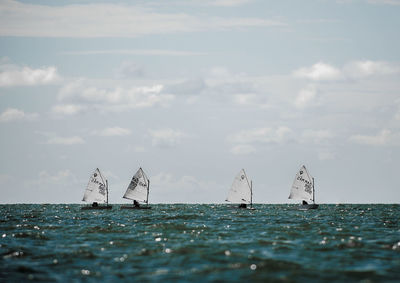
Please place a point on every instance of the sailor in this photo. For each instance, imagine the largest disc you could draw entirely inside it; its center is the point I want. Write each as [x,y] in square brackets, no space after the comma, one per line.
[95,204]
[136,203]
[304,202]
[242,205]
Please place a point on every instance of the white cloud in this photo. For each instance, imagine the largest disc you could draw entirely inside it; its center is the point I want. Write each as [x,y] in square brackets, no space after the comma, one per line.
[71,89]
[11,75]
[245,141]
[65,140]
[4,178]
[326,155]
[139,149]
[306,97]
[114,131]
[385,2]
[397,114]
[117,99]
[141,52]
[262,135]
[243,149]
[171,189]
[187,87]
[109,20]
[319,72]
[60,177]
[219,72]
[226,3]
[361,69]
[383,138]
[167,179]
[317,136]
[352,70]
[129,70]
[251,99]
[67,109]
[13,114]
[136,148]
[139,97]
[166,137]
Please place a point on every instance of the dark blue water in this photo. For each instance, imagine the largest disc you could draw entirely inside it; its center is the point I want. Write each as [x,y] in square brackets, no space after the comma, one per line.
[200,243]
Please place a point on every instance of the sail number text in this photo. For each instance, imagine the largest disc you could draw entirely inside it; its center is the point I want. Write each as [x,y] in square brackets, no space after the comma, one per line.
[307,184]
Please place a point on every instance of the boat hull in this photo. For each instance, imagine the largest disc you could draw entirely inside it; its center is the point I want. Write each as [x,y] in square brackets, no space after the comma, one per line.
[96,207]
[244,208]
[134,207]
[248,208]
[309,206]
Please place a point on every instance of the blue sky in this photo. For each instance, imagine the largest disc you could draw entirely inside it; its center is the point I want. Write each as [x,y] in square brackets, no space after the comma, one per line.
[193,91]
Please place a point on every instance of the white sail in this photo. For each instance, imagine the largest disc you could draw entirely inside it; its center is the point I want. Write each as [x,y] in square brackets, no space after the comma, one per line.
[96,190]
[138,188]
[303,186]
[240,191]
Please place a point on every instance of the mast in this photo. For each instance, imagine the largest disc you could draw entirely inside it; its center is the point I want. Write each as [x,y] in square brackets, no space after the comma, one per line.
[141,170]
[251,193]
[148,185]
[148,189]
[313,191]
[107,190]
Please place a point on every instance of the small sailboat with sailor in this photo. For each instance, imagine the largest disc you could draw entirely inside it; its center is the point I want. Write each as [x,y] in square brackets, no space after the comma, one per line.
[96,192]
[241,191]
[303,189]
[138,191]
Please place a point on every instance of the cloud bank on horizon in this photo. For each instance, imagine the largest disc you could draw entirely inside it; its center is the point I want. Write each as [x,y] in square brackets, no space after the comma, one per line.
[194,91]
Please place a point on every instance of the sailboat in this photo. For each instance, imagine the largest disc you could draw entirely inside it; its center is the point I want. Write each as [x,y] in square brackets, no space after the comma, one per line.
[303,189]
[138,191]
[96,192]
[241,191]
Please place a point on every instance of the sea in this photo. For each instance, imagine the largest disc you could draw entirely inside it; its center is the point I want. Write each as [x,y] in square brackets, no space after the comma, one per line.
[200,243]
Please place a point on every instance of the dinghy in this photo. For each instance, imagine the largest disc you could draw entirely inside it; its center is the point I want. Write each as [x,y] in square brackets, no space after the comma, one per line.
[241,191]
[96,192]
[138,191]
[303,189]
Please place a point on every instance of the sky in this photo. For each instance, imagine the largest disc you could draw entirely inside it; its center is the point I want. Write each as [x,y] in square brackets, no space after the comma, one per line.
[194,91]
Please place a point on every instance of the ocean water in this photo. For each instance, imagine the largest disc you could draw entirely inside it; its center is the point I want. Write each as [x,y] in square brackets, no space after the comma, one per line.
[197,243]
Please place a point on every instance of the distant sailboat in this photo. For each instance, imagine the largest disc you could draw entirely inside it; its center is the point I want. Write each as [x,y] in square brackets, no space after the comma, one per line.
[241,191]
[97,192]
[303,189]
[138,191]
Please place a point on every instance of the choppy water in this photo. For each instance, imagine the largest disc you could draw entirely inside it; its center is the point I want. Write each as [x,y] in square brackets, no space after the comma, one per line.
[200,243]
